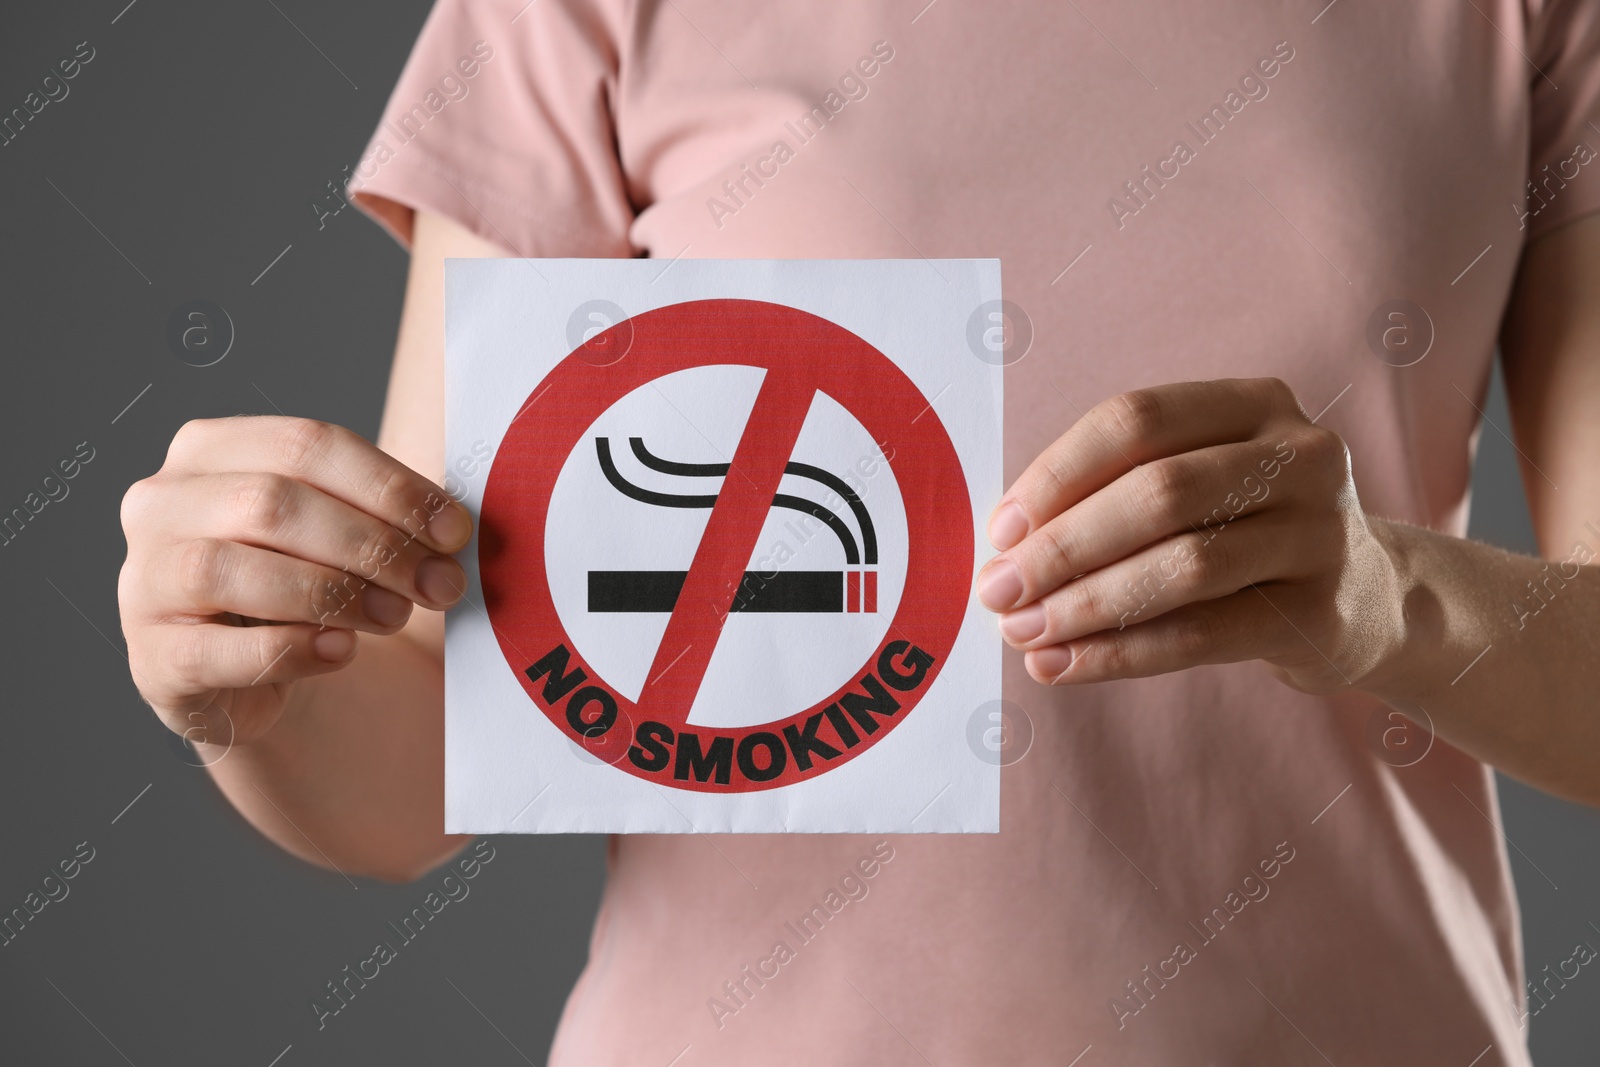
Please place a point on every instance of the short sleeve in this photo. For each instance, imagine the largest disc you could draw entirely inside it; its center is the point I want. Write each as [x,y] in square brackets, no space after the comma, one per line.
[1564,47]
[502,121]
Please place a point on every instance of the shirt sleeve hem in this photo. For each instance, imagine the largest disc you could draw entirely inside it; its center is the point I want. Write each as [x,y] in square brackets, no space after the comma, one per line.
[428,182]
[1562,213]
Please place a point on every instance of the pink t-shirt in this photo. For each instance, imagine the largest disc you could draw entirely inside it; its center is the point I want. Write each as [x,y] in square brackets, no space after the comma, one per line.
[1200,868]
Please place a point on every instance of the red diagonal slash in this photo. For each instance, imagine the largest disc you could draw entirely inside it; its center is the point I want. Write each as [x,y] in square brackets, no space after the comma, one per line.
[726,547]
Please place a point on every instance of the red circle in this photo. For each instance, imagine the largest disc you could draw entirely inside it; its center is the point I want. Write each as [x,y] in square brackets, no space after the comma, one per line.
[799,347]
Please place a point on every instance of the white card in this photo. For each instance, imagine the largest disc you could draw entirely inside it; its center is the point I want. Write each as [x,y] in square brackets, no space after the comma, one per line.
[728,517]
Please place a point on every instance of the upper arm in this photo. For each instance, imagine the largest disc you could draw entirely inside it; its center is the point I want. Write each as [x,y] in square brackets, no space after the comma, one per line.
[412,430]
[1550,341]
[413,412]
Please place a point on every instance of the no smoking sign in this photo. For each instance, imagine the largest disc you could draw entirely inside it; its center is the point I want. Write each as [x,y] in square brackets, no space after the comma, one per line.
[725,547]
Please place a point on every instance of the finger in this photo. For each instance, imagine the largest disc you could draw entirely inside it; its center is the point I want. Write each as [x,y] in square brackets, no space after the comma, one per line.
[180,664]
[1201,491]
[1127,430]
[289,516]
[1231,629]
[211,576]
[1185,569]
[330,458]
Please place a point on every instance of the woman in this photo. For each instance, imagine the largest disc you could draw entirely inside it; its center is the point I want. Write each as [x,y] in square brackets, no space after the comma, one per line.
[1266,252]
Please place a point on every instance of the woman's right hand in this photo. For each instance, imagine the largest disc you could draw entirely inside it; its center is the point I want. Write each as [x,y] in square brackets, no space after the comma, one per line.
[256,553]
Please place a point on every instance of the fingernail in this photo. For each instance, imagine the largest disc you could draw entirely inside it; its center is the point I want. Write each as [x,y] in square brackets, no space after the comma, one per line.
[384,607]
[1027,624]
[441,580]
[1051,663]
[333,646]
[451,527]
[1007,527]
[1001,585]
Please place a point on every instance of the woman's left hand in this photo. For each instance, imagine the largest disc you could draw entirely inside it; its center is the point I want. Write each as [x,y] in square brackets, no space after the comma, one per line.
[1194,523]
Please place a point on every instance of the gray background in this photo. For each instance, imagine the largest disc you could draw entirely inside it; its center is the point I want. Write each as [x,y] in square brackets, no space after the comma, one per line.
[194,143]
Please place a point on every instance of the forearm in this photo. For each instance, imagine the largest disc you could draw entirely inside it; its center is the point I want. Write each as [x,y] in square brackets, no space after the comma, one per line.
[352,775]
[1499,651]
